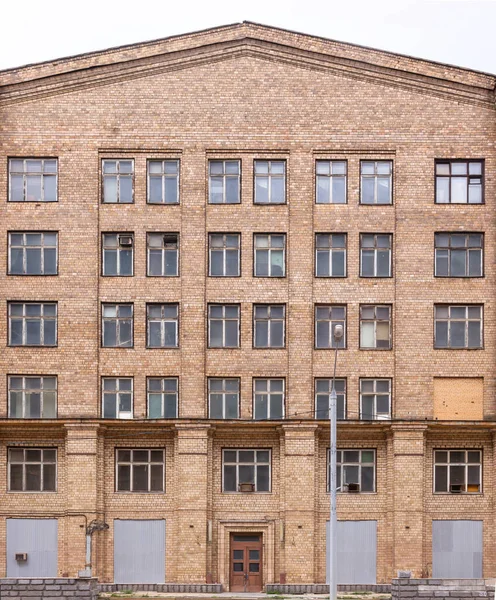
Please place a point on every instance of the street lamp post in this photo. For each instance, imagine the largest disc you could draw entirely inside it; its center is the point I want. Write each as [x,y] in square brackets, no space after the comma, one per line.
[333,539]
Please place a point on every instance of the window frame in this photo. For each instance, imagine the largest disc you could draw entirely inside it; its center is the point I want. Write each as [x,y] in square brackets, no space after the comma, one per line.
[162,329]
[269,249]
[42,317]
[118,249]
[331,176]
[117,320]
[465,464]
[340,464]
[117,174]
[163,176]
[269,321]
[225,176]
[223,392]
[131,464]
[25,462]
[224,249]
[255,464]
[163,393]
[269,393]
[318,417]
[375,393]
[451,161]
[10,159]
[223,319]
[269,177]
[343,322]
[467,249]
[163,250]
[391,187]
[376,249]
[375,321]
[466,320]
[330,251]
[117,392]
[23,390]
[25,247]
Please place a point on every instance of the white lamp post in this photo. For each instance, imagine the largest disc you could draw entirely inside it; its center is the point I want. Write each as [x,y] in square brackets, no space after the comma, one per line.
[333,539]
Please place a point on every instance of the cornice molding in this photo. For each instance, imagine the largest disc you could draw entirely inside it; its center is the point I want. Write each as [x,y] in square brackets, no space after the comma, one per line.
[128,70]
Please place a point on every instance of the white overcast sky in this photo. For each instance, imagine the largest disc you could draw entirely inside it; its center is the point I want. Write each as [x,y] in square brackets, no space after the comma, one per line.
[460,32]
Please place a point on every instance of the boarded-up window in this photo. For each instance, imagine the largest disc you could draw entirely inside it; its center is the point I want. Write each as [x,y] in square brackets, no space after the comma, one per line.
[458,398]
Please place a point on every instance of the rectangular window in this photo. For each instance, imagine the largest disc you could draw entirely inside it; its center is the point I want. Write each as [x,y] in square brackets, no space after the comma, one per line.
[270,260]
[375,254]
[223,398]
[118,254]
[117,325]
[330,183]
[375,327]
[33,180]
[32,469]
[224,254]
[458,471]
[32,397]
[223,325]
[117,398]
[268,325]
[246,470]
[375,399]
[355,470]
[33,253]
[163,181]
[139,470]
[224,181]
[162,397]
[270,182]
[330,255]
[459,254]
[459,182]
[118,181]
[323,388]
[32,324]
[457,326]
[326,319]
[376,182]
[162,325]
[268,399]
[163,254]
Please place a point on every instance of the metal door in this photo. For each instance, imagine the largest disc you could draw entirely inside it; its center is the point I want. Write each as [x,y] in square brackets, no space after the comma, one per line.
[246,563]
[38,539]
[139,551]
[457,549]
[357,552]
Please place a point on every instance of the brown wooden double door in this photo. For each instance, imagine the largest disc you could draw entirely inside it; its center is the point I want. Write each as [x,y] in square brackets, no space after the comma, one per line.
[246,563]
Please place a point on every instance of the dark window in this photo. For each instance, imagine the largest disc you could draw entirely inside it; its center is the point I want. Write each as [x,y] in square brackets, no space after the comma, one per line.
[250,467]
[139,470]
[375,399]
[323,388]
[163,182]
[33,253]
[330,183]
[117,325]
[268,325]
[375,327]
[162,325]
[355,470]
[118,254]
[224,181]
[330,255]
[459,254]
[458,471]
[33,180]
[224,254]
[268,399]
[32,397]
[270,255]
[270,182]
[162,397]
[457,326]
[32,324]
[223,398]
[375,254]
[223,325]
[326,319]
[459,182]
[32,469]
[376,182]
[117,398]
[163,254]
[118,178]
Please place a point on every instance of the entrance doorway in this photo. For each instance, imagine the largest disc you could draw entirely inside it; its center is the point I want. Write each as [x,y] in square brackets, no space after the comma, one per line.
[246,563]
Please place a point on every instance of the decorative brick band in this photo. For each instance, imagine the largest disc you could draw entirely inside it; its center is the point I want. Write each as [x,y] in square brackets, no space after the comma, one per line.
[49,589]
[177,588]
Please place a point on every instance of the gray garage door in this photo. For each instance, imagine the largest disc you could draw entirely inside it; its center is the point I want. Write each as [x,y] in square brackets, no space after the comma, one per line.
[457,549]
[38,539]
[357,552]
[139,551]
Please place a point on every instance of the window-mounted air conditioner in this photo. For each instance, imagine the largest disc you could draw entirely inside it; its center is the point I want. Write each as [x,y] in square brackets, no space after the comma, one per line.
[21,556]
[457,488]
[246,487]
[351,488]
[125,240]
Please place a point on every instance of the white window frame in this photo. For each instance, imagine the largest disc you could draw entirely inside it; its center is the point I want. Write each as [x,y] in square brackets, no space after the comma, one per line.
[118,321]
[269,392]
[166,248]
[25,173]
[270,176]
[225,176]
[376,175]
[118,176]
[223,320]
[255,465]
[376,249]
[269,320]
[162,321]
[224,250]
[25,390]
[330,250]
[375,321]
[118,248]
[164,175]
[269,249]
[223,392]
[163,393]
[330,175]
[119,414]
[375,416]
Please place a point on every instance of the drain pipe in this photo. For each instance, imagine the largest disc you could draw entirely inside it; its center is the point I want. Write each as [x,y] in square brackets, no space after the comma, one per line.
[95,525]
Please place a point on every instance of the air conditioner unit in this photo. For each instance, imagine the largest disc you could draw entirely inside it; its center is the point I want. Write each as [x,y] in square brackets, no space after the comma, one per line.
[353,488]
[457,488]
[246,487]
[125,415]
[21,556]
[170,240]
[125,240]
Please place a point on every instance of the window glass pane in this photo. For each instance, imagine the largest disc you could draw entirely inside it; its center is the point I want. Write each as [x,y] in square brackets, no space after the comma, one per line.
[277,263]
[277,191]
[50,188]
[49,478]
[261,334]
[457,475]
[50,261]
[49,405]
[277,334]
[473,475]
[140,478]
[475,193]
[383,260]
[367,335]
[261,263]
[441,334]
[367,483]
[110,189]
[246,474]
[323,328]
[260,406]
[442,263]
[157,478]
[16,478]
[33,188]
[155,406]
[458,190]
[171,190]
[216,263]
[33,478]
[323,190]
[367,263]
[367,196]
[231,406]
[262,189]
[474,334]
[125,189]
[276,406]
[232,190]
[170,402]
[441,479]
[16,188]
[383,190]
[442,189]
[323,264]
[263,483]
[458,263]
[338,263]
[457,334]
[338,190]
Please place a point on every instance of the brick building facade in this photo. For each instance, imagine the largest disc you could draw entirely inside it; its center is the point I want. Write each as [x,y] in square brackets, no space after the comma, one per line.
[292,183]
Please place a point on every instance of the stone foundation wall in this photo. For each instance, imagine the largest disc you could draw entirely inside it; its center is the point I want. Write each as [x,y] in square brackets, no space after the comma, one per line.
[48,589]
[454,589]
[177,588]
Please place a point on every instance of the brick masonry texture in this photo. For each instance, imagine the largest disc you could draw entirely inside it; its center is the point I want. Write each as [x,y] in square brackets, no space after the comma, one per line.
[49,589]
[250,92]
[441,588]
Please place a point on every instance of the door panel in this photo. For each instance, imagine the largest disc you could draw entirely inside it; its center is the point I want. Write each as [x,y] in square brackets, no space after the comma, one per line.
[139,551]
[457,549]
[246,563]
[357,552]
[38,538]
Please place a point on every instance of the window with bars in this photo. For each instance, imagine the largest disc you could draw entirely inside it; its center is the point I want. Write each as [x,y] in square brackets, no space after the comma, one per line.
[32,469]
[162,325]
[223,325]
[224,254]
[268,325]
[33,253]
[223,398]
[33,179]
[270,182]
[270,260]
[330,185]
[375,327]
[376,182]
[118,181]
[163,254]
[268,399]
[117,253]
[246,467]
[163,181]
[355,470]
[139,470]
[457,326]
[327,317]
[32,397]
[323,388]
[224,181]
[458,471]
[459,254]
[459,182]
[375,254]
[162,397]
[330,254]
[117,398]
[32,324]
[117,325]
[375,399]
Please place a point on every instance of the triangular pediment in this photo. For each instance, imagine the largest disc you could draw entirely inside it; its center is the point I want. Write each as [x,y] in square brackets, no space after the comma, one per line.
[244,39]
